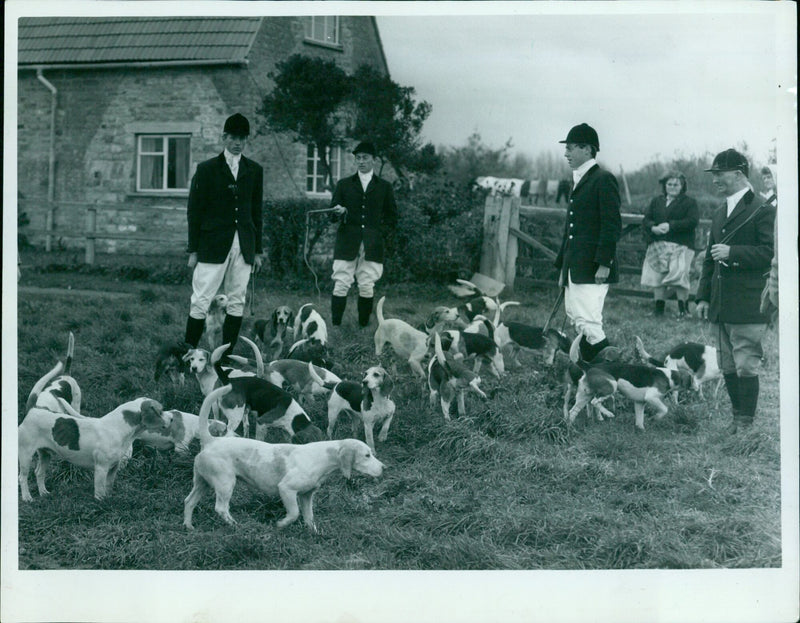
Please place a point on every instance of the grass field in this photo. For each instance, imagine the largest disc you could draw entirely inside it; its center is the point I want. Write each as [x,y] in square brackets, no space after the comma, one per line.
[509,486]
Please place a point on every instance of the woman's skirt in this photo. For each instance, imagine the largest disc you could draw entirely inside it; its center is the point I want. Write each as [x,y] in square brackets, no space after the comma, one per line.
[667,265]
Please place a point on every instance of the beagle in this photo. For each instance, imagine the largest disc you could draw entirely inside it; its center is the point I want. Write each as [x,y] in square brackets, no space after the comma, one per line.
[199,364]
[273,406]
[94,443]
[449,379]
[183,429]
[281,331]
[481,347]
[699,360]
[293,374]
[293,472]
[440,318]
[171,361]
[309,324]
[512,337]
[640,383]
[215,318]
[368,400]
[57,383]
[409,343]
[313,350]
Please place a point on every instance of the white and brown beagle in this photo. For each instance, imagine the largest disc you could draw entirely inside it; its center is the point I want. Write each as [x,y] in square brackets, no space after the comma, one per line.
[699,360]
[313,350]
[100,443]
[407,342]
[57,383]
[199,363]
[449,379]
[368,400]
[277,333]
[292,375]
[644,385]
[273,407]
[293,472]
[183,429]
[215,318]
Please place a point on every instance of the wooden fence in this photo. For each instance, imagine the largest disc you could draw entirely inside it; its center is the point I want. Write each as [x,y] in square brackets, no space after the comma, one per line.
[506,223]
[91,234]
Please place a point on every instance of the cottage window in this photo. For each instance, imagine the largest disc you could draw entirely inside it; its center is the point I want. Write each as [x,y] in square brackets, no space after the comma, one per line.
[163,162]
[323,29]
[315,180]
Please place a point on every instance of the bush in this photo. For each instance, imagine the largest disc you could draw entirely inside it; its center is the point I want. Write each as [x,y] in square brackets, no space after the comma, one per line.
[439,232]
[283,231]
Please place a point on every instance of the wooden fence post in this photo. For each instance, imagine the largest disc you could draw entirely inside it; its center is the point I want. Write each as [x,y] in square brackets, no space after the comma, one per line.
[91,228]
[499,250]
[48,225]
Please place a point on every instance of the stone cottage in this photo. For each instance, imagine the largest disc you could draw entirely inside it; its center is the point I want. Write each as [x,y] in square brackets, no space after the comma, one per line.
[114,113]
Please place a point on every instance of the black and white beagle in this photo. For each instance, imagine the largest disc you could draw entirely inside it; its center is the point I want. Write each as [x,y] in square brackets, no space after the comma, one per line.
[644,385]
[449,379]
[481,347]
[368,400]
[273,406]
[312,350]
[309,324]
[700,360]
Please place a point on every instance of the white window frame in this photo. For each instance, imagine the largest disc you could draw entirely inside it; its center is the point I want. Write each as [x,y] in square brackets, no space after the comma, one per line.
[323,20]
[165,153]
[336,169]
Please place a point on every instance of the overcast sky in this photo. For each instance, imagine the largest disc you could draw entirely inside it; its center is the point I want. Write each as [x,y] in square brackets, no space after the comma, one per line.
[652,84]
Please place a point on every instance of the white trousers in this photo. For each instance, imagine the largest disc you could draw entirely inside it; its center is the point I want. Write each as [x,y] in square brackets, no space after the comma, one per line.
[233,275]
[359,269]
[583,303]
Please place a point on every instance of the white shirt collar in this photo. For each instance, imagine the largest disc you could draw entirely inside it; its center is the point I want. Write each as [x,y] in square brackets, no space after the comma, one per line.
[578,173]
[230,158]
[365,178]
[735,198]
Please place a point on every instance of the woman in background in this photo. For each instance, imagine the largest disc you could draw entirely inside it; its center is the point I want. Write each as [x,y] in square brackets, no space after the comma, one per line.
[669,224]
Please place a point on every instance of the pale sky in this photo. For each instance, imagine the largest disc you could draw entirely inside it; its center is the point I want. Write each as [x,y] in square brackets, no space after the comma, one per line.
[650,83]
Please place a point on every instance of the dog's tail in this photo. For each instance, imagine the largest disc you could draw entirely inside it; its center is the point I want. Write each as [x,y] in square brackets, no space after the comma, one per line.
[257,355]
[202,425]
[215,361]
[644,356]
[500,309]
[68,408]
[379,310]
[70,352]
[41,384]
[437,347]
[318,379]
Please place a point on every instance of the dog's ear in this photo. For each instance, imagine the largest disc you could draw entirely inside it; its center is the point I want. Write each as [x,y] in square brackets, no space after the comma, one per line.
[347,459]
[388,384]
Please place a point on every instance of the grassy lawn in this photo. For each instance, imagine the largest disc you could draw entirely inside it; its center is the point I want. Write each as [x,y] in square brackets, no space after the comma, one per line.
[509,486]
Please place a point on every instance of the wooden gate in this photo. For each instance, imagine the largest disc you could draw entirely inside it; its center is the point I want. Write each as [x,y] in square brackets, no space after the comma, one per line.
[506,223]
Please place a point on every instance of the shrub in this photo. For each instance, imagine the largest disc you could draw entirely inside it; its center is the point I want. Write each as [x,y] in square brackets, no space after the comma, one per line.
[439,232]
[283,231]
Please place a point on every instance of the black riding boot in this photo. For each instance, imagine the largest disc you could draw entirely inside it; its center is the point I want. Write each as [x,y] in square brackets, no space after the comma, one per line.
[364,310]
[338,303]
[230,331]
[194,330]
[660,307]
[748,400]
[732,385]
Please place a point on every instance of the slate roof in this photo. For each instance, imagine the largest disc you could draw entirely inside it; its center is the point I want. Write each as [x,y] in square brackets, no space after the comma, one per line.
[98,40]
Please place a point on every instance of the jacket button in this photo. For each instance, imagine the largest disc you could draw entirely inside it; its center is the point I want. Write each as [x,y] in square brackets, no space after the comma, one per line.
[570,237]
[362,227]
[572,224]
